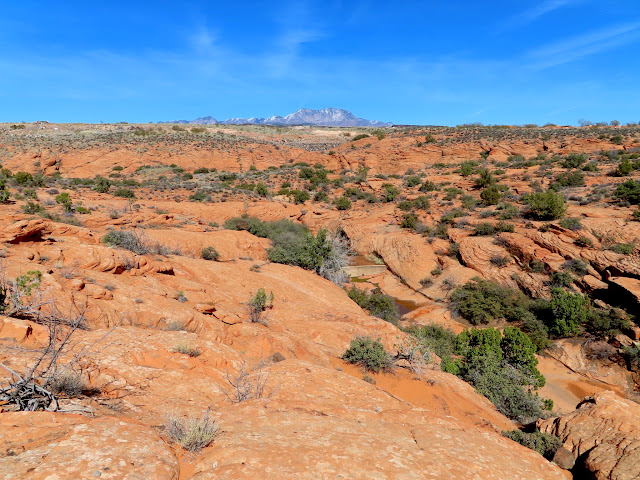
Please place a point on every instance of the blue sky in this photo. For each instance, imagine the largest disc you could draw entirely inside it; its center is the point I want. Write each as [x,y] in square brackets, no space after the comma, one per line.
[428,62]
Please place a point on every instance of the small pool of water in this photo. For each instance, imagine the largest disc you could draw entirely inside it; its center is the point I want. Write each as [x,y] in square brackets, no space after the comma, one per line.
[360,260]
[405,306]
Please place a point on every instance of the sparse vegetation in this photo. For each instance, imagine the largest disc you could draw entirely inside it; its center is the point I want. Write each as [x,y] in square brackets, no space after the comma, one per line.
[369,354]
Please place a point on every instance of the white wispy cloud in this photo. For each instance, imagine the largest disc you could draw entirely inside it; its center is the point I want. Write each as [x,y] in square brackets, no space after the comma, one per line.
[533,13]
[574,48]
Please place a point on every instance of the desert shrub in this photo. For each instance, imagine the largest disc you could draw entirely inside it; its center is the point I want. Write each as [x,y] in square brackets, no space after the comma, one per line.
[583,241]
[632,357]
[23,178]
[547,205]
[300,196]
[485,178]
[536,266]
[569,313]
[124,193]
[543,443]
[405,205]
[480,301]
[569,179]
[574,160]
[561,279]
[65,200]
[390,192]
[500,261]
[258,304]
[412,181]
[293,245]
[504,227]
[500,368]
[132,241]
[409,221]
[506,211]
[571,223]
[192,434]
[576,266]
[360,137]
[428,186]
[628,191]
[467,168]
[437,339]
[186,348]
[623,248]
[198,196]
[369,354]
[617,139]
[484,229]
[624,168]
[603,323]
[491,195]
[378,304]
[426,282]
[32,208]
[210,253]
[68,383]
[343,203]
[320,196]
[101,184]
[537,332]
[262,190]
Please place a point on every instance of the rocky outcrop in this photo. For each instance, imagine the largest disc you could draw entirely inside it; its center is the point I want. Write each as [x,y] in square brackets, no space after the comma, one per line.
[604,435]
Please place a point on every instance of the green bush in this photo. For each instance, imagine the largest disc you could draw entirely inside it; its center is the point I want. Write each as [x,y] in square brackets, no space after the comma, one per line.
[360,137]
[625,167]
[32,208]
[343,203]
[623,248]
[569,179]
[467,168]
[292,244]
[491,195]
[603,323]
[65,200]
[210,253]
[547,205]
[428,186]
[561,279]
[124,193]
[23,178]
[543,443]
[574,160]
[484,179]
[571,223]
[390,192]
[368,353]
[439,340]
[480,301]
[569,313]
[628,191]
[101,184]
[482,229]
[378,304]
[262,190]
[500,367]
[300,196]
[412,181]
[409,221]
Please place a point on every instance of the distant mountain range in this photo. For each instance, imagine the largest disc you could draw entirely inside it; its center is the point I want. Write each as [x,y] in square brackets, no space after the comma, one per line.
[329,117]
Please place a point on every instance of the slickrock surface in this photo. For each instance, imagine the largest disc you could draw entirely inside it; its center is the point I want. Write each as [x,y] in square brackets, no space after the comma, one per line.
[604,433]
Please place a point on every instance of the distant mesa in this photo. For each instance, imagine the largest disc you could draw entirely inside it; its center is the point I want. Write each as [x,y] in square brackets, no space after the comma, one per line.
[328,117]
